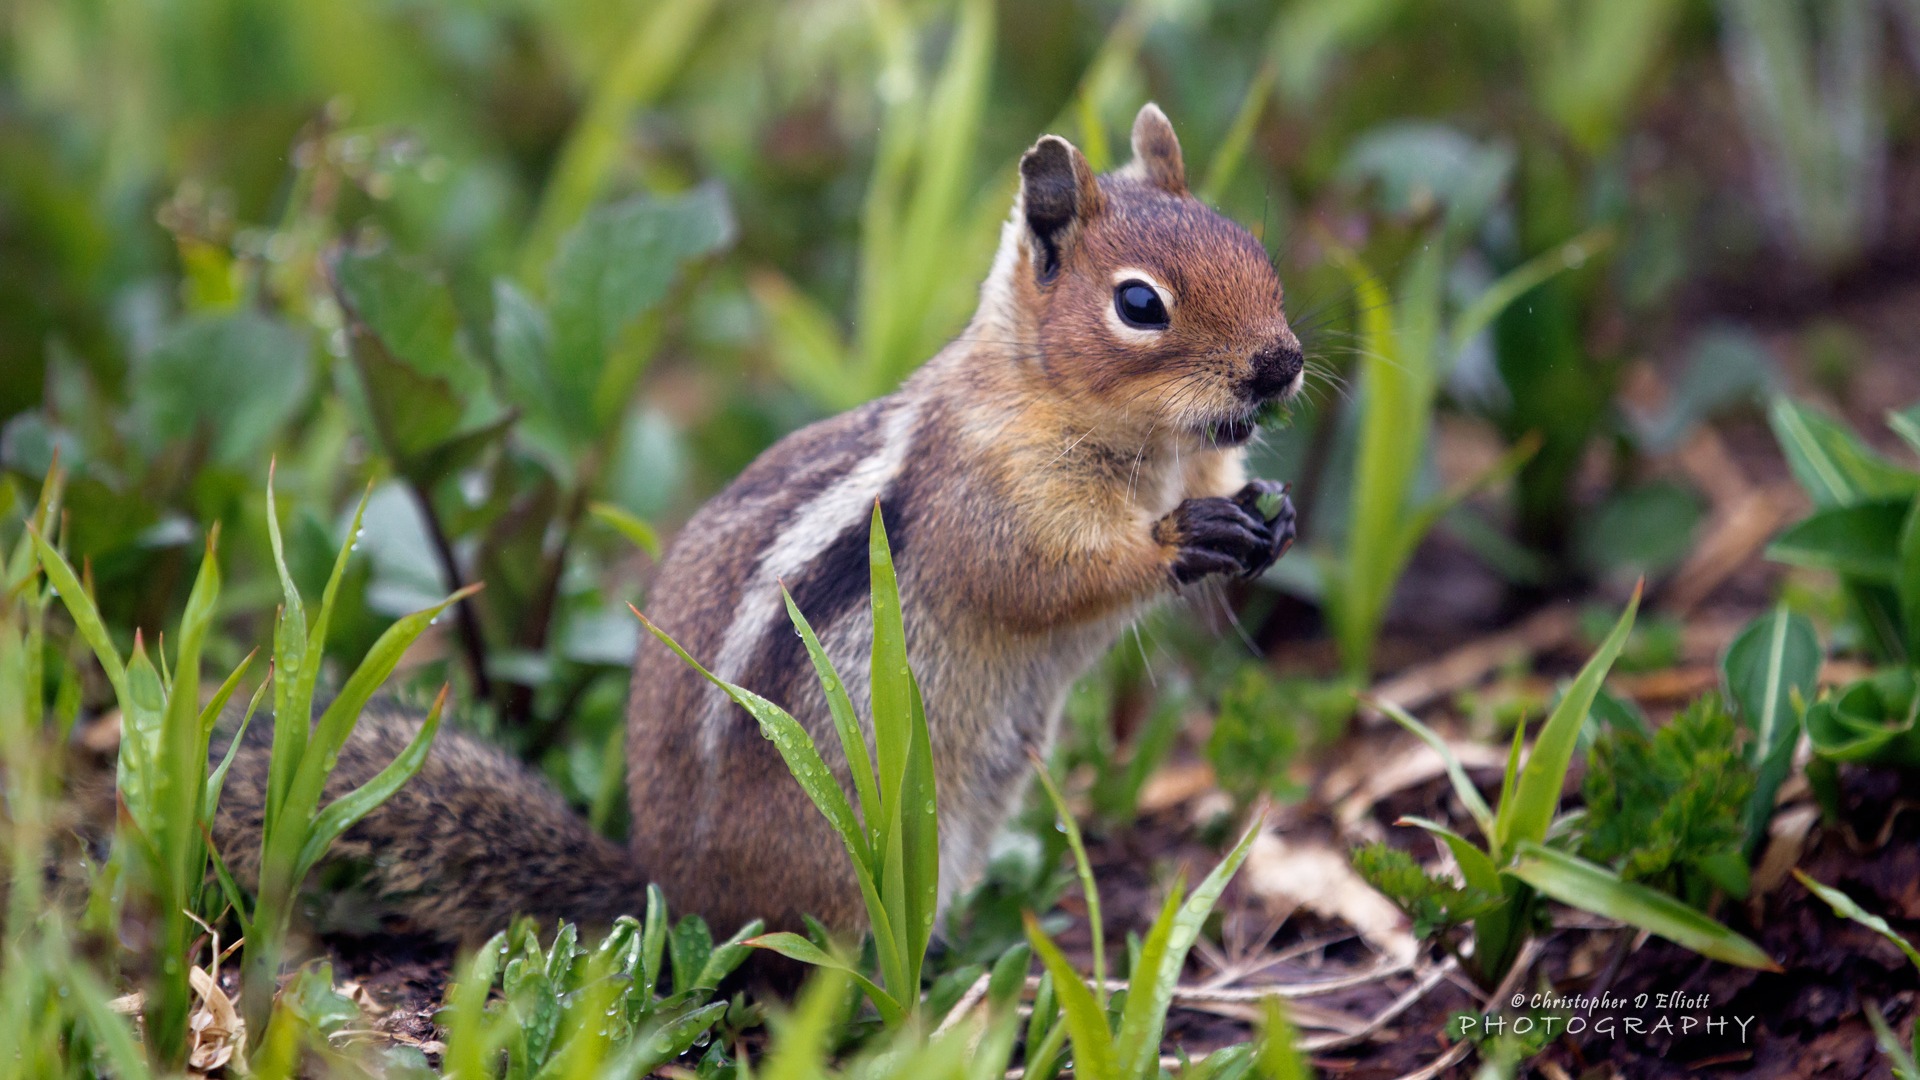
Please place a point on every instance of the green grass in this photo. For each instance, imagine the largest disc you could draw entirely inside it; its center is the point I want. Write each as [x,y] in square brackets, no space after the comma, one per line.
[894,842]
[1521,859]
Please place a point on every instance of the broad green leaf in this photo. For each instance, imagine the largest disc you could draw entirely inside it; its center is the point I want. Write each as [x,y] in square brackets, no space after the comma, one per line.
[420,386]
[1874,720]
[1771,667]
[1085,1020]
[614,267]
[86,617]
[1860,540]
[727,956]
[343,813]
[651,1049]
[1536,794]
[1581,884]
[1834,467]
[1164,956]
[236,377]
[637,532]
[1462,786]
[795,947]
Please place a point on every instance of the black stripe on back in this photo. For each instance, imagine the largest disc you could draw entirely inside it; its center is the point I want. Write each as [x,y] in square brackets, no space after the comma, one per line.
[832,585]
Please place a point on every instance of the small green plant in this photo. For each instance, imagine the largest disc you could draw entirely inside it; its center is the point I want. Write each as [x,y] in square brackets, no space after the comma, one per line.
[1770,671]
[1668,809]
[570,1011]
[1525,855]
[896,852]
[920,221]
[55,1019]
[1407,342]
[296,829]
[1121,1042]
[1261,724]
[1805,77]
[1900,1058]
[1865,528]
[166,798]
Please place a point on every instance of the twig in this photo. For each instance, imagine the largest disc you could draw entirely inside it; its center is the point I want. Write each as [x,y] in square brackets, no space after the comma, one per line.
[966,1003]
[1528,954]
[471,642]
[1467,665]
[1405,1001]
[1189,995]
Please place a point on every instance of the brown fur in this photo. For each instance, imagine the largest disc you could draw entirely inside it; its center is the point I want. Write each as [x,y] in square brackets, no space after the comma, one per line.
[1043,478]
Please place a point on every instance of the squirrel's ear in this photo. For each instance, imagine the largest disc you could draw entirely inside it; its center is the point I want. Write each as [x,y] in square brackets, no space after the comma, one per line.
[1057,193]
[1156,152]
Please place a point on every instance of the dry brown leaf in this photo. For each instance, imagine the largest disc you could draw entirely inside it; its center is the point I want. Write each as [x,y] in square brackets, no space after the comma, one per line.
[1410,764]
[1320,878]
[1786,840]
[1175,784]
[217,1030]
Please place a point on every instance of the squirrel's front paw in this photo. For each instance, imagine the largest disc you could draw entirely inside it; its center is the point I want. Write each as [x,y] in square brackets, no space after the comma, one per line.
[1267,500]
[1241,536]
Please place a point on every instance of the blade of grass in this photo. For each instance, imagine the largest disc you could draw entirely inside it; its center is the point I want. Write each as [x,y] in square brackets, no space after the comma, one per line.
[1844,906]
[1462,786]
[853,741]
[86,617]
[1145,1015]
[1536,795]
[1084,1019]
[1475,866]
[1521,280]
[658,45]
[795,947]
[637,532]
[1089,889]
[341,814]
[336,723]
[1579,883]
[216,781]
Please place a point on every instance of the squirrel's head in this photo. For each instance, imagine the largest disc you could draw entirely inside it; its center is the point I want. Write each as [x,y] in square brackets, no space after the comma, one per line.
[1129,295]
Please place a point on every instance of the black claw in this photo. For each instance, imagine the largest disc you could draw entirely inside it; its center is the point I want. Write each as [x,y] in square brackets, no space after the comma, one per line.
[1241,536]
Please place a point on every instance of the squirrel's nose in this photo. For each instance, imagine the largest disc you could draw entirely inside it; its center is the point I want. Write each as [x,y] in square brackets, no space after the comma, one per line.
[1274,370]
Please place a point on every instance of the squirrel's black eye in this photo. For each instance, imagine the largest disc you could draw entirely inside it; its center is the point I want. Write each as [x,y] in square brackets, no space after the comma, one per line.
[1139,306]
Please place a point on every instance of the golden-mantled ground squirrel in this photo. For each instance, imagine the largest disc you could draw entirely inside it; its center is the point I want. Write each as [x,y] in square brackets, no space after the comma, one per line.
[1072,457]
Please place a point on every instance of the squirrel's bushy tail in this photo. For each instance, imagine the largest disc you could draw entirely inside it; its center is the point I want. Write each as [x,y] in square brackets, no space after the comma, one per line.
[474,839]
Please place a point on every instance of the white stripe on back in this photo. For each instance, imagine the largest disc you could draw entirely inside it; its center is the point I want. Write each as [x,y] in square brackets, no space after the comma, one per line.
[845,504]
